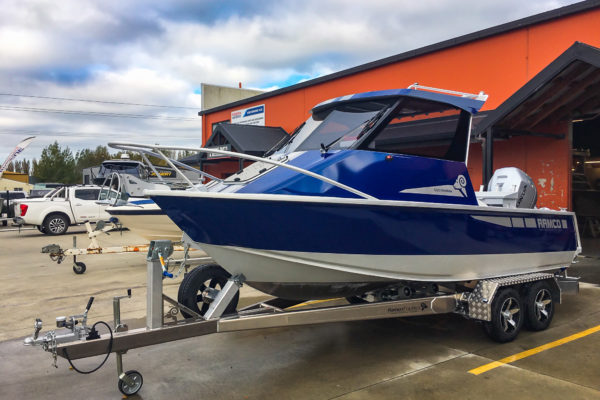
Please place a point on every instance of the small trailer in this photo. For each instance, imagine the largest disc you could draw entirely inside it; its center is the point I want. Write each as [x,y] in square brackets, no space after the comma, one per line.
[58,254]
[503,304]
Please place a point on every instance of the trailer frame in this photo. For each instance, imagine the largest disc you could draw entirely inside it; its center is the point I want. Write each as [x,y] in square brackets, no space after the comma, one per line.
[77,340]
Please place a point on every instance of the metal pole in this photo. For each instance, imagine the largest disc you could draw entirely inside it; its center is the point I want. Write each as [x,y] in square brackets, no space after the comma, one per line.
[488,158]
[154,303]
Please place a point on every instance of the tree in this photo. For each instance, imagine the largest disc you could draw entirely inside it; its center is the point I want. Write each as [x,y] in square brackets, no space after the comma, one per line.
[34,167]
[87,158]
[25,166]
[22,166]
[56,165]
[184,153]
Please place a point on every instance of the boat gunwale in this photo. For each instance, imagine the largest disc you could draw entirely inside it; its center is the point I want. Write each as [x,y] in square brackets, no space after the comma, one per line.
[352,201]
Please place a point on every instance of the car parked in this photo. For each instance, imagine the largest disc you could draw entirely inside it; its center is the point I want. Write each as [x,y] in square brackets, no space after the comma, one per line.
[65,206]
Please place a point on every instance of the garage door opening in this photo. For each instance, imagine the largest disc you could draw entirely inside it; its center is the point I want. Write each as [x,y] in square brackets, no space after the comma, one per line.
[585,186]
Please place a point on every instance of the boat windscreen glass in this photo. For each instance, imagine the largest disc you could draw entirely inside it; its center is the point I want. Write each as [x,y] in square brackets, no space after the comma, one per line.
[125,168]
[424,128]
[338,127]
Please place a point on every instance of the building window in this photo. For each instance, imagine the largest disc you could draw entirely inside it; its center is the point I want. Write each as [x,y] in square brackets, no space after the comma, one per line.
[214,125]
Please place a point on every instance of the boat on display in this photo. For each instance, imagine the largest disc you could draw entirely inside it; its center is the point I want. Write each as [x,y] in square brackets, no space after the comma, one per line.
[371,193]
[145,218]
[124,182]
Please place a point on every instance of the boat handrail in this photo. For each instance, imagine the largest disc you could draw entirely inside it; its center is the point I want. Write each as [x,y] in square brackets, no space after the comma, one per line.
[152,167]
[252,158]
[133,147]
[479,96]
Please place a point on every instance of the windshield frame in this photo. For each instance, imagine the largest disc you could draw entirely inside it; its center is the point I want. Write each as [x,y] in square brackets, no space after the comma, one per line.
[460,141]
[315,122]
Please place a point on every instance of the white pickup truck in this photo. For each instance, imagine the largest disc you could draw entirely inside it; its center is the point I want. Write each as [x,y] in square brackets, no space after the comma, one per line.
[64,206]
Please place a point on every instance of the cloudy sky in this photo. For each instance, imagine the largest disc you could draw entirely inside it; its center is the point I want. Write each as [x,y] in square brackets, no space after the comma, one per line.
[135,67]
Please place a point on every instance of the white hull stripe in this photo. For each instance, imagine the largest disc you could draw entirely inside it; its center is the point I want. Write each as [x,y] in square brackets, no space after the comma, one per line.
[287,266]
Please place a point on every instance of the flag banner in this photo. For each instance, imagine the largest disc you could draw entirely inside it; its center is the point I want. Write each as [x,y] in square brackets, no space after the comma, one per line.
[20,147]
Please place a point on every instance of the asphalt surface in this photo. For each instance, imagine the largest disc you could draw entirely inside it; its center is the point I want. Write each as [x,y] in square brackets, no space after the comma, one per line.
[409,358]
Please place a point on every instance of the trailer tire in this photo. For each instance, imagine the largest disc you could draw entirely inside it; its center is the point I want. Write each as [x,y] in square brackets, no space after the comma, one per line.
[56,224]
[79,268]
[130,390]
[539,307]
[194,284]
[507,316]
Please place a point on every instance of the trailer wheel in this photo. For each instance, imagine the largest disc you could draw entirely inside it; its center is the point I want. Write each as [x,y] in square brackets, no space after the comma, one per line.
[79,268]
[193,290]
[56,224]
[507,316]
[136,378]
[539,306]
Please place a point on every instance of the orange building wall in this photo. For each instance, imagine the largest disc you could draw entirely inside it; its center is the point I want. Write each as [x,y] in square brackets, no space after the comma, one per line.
[498,65]
[222,169]
[546,160]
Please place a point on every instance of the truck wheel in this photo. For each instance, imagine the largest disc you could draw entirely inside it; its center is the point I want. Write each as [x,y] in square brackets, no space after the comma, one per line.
[539,307]
[194,290]
[56,224]
[507,316]
[41,228]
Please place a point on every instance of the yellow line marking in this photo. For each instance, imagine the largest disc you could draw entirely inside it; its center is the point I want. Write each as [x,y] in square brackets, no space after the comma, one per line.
[527,353]
[308,303]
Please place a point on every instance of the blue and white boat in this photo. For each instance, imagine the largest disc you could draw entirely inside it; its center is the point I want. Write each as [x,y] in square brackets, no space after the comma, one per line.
[371,191]
[124,182]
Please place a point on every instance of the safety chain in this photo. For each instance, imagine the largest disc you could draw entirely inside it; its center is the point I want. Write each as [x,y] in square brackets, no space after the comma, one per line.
[51,344]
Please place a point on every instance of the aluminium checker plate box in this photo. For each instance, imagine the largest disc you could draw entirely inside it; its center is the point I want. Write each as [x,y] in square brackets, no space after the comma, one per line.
[480,299]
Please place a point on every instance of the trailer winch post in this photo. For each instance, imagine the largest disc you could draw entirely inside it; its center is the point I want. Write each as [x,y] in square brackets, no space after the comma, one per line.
[154,304]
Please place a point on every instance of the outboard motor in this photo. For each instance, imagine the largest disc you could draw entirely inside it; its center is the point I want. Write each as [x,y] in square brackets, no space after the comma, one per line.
[509,187]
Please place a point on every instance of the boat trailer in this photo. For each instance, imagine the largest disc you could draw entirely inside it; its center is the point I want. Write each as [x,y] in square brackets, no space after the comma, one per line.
[58,254]
[74,339]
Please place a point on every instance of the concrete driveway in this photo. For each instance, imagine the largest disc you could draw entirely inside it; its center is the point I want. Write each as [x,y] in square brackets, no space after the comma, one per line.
[410,358]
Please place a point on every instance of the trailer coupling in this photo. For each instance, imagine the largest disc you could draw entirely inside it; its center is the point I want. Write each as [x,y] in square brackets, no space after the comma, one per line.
[71,328]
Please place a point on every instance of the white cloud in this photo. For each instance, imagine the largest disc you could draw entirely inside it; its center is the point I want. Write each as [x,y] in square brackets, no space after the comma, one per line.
[157,52]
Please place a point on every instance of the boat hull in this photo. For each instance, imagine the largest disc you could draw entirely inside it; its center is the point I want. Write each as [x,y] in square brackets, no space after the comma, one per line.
[305,275]
[312,247]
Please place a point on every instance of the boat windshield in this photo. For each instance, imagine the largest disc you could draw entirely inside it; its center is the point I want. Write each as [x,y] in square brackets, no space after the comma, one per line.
[132,168]
[417,127]
[423,128]
[335,128]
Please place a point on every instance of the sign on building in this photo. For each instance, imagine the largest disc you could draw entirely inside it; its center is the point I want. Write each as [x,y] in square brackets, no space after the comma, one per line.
[249,116]
[226,147]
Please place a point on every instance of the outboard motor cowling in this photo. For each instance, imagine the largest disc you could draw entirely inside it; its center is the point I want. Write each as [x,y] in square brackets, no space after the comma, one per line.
[509,187]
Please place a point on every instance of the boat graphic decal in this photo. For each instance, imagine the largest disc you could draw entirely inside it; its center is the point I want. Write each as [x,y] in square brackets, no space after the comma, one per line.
[517,222]
[502,221]
[456,190]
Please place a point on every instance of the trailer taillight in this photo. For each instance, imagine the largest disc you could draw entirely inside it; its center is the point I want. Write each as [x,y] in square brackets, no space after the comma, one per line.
[23,208]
